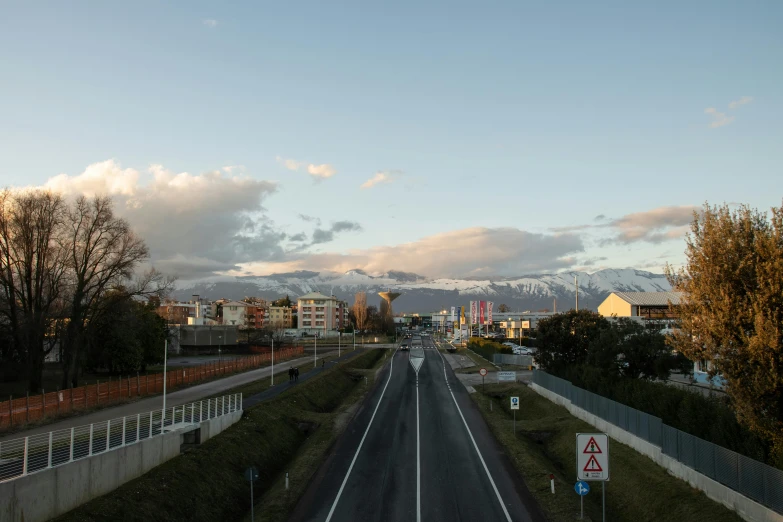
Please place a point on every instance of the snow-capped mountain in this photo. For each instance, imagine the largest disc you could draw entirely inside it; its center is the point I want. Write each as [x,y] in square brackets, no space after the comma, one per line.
[419,294]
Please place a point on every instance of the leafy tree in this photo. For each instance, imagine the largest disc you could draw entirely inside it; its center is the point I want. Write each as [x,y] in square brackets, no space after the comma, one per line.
[565,339]
[359,310]
[284,301]
[732,309]
[503,308]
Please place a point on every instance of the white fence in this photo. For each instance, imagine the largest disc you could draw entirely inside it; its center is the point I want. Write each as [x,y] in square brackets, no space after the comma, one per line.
[23,456]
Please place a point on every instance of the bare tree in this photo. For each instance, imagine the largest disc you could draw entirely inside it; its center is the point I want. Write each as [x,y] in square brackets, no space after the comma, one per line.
[104,254]
[360,310]
[32,267]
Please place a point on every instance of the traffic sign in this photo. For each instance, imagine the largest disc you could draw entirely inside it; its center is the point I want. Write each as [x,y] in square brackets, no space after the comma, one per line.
[507,376]
[592,456]
[582,488]
[483,372]
[514,403]
[251,474]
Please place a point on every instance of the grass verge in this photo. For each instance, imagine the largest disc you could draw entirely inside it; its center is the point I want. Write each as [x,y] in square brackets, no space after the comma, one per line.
[639,489]
[207,483]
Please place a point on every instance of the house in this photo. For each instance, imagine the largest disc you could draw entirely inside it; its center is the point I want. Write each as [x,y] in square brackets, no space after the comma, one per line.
[232,313]
[646,305]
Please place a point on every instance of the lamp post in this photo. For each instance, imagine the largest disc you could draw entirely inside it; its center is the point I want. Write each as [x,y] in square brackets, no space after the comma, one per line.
[165,361]
[273,361]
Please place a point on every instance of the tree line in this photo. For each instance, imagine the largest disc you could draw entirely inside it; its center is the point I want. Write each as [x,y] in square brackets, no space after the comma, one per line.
[70,281]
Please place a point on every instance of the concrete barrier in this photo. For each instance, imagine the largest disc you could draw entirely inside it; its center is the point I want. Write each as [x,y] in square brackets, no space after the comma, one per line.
[746,508]
[47,494]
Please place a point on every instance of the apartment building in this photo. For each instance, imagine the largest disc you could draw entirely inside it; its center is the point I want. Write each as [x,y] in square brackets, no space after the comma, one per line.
[280,316]
[320,314]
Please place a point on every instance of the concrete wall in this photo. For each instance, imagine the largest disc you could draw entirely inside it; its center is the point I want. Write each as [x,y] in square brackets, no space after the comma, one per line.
[44,495]
[748,509]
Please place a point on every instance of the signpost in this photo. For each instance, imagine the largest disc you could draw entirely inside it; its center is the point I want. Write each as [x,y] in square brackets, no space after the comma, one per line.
[483,373]
[592,461]
[582,488]
[251,475]
[507,376]
[514,408]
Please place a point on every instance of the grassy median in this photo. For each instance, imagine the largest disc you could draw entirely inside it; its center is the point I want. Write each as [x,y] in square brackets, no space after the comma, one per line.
[207,482]
[639,489]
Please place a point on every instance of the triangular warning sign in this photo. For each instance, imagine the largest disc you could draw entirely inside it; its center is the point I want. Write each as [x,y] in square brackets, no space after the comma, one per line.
[592,446]
[592,464]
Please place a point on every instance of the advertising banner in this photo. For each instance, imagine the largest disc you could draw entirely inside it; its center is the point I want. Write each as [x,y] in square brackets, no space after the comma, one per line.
[489,312]
[453,311]
[481,311]
[473,312]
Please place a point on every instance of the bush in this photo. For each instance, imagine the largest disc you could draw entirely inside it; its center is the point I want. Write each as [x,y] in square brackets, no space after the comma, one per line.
[709,418]
[487,348]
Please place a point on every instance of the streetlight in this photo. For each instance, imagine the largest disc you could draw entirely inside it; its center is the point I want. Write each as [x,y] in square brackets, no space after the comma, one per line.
[165,361]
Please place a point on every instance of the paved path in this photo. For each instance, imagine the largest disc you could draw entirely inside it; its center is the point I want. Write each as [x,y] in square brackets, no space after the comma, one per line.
[175,398]
[417,449]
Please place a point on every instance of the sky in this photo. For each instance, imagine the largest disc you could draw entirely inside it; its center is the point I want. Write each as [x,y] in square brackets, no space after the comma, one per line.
[446,138]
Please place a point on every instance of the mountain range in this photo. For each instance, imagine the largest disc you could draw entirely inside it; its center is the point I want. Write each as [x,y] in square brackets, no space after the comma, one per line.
[420,294]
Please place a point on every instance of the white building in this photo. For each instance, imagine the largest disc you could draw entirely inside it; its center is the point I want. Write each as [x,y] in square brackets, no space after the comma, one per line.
[234,313]
[647,305]
[320,314]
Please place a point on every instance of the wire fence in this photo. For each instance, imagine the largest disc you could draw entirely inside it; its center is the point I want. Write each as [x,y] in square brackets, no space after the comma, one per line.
[751,478]
[23,456]
[32,408]
[519,360]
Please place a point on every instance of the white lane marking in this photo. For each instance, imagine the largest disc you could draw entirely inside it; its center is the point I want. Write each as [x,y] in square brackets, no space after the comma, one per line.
[350,468]
[489,476]
[418,456]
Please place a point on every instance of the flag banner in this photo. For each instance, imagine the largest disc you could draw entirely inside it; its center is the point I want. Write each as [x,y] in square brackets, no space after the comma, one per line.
[482,305]
[489,312]
[473,312]
[453,311]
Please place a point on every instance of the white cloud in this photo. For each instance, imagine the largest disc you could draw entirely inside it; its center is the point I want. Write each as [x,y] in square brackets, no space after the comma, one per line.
[322,171]
[460,253]
[319,172]
[382,176]
[719,119]
[654,226]
[194,224]
[209,22]
[742,101]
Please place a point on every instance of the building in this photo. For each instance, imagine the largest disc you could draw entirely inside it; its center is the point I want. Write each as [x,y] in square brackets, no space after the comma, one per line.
[255,316]
[232,313]
[520,324]
[280,316]
[646,305]
[197,311]
[320,314]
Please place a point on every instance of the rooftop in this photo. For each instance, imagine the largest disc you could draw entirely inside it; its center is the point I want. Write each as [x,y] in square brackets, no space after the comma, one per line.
[650,298]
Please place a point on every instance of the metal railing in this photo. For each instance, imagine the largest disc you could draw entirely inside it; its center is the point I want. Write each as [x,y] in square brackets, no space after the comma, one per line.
[23,456]
[747,476]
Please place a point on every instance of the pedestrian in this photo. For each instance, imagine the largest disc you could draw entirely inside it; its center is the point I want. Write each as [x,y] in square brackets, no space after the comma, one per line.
[290,374]
[296,374]
[323,363]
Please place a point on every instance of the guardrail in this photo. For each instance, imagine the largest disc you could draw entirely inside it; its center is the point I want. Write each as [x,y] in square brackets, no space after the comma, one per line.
[747,476]
[23,456]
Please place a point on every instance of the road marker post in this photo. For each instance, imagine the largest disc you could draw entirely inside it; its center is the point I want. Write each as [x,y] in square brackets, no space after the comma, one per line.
[251,475]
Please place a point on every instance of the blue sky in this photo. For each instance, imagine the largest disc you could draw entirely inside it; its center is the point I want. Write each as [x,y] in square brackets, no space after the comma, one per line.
[510,116]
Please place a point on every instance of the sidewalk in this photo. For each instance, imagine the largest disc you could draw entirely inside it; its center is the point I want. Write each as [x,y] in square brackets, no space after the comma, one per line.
[174,398]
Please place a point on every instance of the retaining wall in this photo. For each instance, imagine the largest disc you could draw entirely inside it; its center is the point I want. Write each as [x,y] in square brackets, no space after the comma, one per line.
[746,508]
[47,494]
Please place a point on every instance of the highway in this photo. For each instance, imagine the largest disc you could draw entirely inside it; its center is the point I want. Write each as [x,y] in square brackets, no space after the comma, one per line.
[418,449]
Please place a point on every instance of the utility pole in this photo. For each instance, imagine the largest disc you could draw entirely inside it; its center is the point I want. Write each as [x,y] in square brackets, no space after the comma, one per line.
[576,285]
[165,361]
[273,361]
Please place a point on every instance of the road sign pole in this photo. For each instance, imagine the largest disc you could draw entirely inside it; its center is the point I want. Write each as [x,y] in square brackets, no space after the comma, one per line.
[483,386]
[515,422]
[603,501]
[582,507]
[252,510]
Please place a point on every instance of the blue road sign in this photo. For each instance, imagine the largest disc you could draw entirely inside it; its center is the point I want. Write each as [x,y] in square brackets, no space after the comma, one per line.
[582,488]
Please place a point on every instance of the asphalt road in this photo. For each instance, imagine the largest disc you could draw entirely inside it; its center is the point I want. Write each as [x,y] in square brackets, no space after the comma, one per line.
[418,449]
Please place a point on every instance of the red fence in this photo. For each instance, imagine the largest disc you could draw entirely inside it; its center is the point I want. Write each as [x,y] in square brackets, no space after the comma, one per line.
[36,407]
